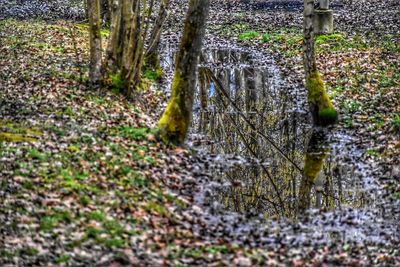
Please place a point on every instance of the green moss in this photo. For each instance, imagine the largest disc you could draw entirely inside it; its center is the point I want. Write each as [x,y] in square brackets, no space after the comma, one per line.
[11,137]
[175,120]
[328,116]
[11,132]
[328,38]
[249,35]
[321,107]
[173,125]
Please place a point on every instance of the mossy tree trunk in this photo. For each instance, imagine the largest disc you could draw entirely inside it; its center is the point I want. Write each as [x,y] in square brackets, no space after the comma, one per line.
[321,108]
[175,120]
[95,69]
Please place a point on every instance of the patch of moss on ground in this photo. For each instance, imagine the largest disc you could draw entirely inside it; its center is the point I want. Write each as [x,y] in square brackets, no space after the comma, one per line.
[249,35]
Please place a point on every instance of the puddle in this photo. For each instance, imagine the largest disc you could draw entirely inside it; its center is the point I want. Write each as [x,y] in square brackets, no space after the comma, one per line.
[264,156]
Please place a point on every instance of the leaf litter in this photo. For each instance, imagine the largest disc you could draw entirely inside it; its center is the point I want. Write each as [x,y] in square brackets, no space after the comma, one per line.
[95,188]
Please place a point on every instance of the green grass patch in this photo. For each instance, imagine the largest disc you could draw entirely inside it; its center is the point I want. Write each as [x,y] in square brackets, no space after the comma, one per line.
[152,75]
[152,206]
[62,259]
[287,41]
[35,154]
[351,106]
[135,179]
[85,200]
[97,216]
[372,152]
[249,35]
[347,122]
[4,253]
[339,42]
[378,121]
[389,80]
[114,242]
[396,121]
[49,222]
[117,84]
[329,38]
[30,251]
[134,133]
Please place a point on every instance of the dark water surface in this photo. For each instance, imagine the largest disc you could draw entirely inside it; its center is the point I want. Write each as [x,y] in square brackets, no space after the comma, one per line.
[264,155]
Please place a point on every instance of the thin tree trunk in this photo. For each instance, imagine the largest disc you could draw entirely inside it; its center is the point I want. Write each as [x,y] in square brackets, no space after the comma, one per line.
[309,56]
[152,57]
[175,120]
[131,34]
[95,42]
[321,108]
[112,56]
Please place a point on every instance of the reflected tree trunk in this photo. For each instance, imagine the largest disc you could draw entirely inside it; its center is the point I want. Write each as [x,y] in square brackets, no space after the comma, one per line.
[314,162]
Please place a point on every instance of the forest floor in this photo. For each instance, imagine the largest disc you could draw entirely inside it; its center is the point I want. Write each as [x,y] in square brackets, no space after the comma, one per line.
[83,182]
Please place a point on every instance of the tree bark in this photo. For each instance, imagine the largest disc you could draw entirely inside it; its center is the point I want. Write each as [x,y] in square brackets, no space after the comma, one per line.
[152,58]
[175,120]
[95,69]
[321,108]
[112,54]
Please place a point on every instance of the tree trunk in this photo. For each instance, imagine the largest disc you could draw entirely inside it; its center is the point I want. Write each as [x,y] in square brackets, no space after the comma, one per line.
[105,12]
[95,42]
[321,108]
[152,57]
[112,54]
[175,120]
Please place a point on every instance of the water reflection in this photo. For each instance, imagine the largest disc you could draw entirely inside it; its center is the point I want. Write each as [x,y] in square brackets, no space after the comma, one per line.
[268,159]
[317,150]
